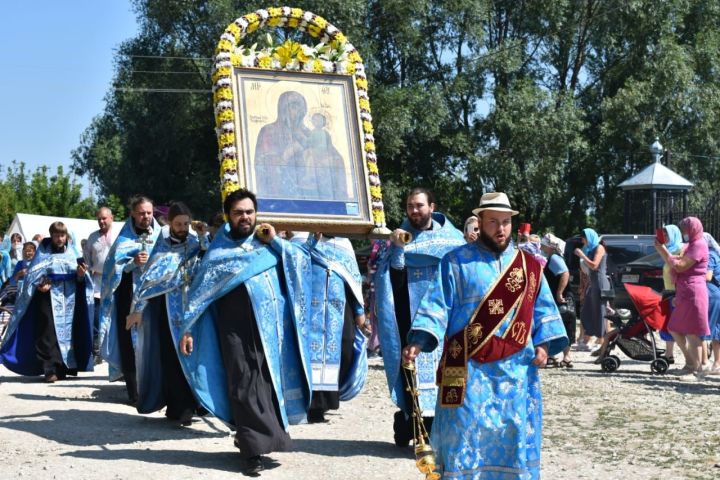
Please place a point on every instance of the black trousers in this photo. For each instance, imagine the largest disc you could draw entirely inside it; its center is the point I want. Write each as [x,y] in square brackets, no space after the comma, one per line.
[255,407]
[123,298]
[47,349]
[180,401]
[322,401]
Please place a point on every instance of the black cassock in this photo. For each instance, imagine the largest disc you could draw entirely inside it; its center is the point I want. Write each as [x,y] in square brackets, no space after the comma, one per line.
[255,407]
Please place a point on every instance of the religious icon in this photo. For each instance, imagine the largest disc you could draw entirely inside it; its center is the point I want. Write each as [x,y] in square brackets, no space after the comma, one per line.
[300,146]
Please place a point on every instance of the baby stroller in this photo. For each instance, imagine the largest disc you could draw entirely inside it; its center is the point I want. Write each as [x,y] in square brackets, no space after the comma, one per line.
[635,338]
[7,304]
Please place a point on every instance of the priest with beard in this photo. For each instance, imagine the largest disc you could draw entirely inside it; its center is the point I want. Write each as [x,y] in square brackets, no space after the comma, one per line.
[491,307]
[404,272]
[123,268]
[157,311]
[244,330]
[50,332]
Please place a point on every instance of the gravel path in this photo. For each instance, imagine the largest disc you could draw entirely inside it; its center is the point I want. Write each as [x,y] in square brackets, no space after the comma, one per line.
[597,425]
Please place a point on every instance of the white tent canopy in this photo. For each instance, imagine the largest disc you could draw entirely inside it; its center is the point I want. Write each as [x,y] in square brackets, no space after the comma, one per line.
[28,225]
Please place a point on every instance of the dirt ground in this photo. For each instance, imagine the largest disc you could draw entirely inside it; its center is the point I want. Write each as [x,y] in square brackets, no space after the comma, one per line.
[626,425]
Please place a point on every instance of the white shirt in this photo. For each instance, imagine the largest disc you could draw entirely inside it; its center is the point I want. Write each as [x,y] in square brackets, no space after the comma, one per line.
[96,250]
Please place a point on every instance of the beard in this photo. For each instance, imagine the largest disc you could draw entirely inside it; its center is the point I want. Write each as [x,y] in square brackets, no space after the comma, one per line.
[182,235]
[492,244]
[242,229]
[421,222]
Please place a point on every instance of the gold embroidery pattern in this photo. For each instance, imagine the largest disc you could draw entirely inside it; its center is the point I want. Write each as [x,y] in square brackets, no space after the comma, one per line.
[455,349]
[496,306]
[451,396]
[519,333]
[533,286]
[475,333]
[515,279]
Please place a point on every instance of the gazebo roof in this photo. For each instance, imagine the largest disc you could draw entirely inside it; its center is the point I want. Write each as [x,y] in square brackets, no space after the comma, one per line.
[656,176]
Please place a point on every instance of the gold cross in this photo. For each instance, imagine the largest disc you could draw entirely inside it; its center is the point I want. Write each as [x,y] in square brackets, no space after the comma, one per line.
[496,306]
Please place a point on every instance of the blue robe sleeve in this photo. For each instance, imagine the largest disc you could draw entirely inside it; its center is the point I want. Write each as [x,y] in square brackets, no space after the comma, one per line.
[548,328]
[431,320]
[397,257]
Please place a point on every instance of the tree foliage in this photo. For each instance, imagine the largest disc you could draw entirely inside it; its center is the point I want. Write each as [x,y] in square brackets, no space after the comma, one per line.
[552,101]
[40,193]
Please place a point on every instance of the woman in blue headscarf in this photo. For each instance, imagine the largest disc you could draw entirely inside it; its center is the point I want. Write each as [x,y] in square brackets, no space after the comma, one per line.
[713,284]
[592,314]
[673,242]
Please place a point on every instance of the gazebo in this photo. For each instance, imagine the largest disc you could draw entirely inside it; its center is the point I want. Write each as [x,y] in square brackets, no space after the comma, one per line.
[654,197]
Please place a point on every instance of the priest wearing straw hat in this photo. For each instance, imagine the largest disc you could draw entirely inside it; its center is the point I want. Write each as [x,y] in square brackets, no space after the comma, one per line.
[491,307]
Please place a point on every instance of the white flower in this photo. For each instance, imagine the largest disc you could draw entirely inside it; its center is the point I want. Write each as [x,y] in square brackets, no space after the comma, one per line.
[293,64]
[369,137]
[328,66]
[228,127]
[263,14]
[224,81]
[223,56]
[308,66]
[331,29]
[229,37]
[242,23]
[307,16]
[229,151]
[286,11]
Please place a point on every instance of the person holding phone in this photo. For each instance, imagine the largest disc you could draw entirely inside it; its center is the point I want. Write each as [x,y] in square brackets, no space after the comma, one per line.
[54,309]
[471,230]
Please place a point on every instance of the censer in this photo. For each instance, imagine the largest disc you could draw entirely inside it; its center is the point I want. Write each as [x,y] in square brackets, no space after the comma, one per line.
[424,455]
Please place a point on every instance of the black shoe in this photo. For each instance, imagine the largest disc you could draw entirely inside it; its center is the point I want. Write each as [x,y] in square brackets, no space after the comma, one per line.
[316,416]
[403,434]
[253,466]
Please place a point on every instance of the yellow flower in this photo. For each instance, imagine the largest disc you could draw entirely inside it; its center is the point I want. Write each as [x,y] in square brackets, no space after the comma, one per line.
[350,68]
[372,167]
[313,30]
[367,127]
[224,45]
[275,21]
[252,27]
[288,51]
[293,22]
[221,72]
[364,104]
[296,13]
[354,57]
[233,29]
[340,38]
[223,93]
[361,83]
[227,139]
[228,164]
[264,62]
[375,192]
[227,116]
[252,18]
[236,60]
[369,146]
[275,12]
[317,66]
[320,22]
[379,217]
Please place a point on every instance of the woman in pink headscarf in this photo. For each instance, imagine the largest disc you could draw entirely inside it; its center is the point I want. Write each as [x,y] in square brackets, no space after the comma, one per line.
[689,321]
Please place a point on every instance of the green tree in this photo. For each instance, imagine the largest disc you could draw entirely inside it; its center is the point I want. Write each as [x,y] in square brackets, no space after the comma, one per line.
[41,193]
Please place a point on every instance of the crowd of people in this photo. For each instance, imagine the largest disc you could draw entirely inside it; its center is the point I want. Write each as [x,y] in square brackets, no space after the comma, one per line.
[266,329]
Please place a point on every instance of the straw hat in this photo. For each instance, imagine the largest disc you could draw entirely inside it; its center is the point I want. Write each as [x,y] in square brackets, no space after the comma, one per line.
[497,201]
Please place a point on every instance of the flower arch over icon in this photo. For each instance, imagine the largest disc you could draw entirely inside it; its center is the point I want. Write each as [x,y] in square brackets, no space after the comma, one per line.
[333,54]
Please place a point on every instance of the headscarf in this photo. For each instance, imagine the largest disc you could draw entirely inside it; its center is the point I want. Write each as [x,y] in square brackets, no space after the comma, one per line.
[694,228]
[550,240]
[712,244]
[674,239]
[593,240]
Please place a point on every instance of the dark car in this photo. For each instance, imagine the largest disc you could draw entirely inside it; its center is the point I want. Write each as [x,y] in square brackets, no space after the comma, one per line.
[621,250]
[647,271]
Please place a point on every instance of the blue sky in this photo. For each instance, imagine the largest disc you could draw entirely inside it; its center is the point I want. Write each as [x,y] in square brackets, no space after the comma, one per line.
[56,64]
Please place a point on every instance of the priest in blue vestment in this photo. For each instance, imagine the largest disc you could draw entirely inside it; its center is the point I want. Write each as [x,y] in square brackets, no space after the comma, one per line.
[50,332]
[492,309]
[123,268]
[403,275]
[158,310]
[338,353]
[245,328]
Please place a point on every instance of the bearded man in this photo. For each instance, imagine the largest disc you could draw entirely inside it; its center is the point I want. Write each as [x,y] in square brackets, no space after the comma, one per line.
[158,308]
[404,272]
[244,332]
[492,308]
[122,270]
